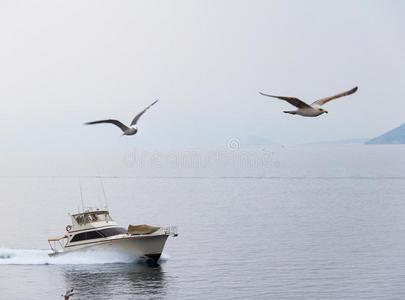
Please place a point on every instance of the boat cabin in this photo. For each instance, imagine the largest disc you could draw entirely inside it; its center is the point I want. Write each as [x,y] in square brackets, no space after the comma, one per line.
[91,225]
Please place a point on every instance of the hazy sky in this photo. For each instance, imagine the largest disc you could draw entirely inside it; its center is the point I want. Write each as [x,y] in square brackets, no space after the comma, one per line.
[66,62]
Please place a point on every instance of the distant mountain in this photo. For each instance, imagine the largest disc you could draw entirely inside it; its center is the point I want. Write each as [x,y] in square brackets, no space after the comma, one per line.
[340,142]
[394,136]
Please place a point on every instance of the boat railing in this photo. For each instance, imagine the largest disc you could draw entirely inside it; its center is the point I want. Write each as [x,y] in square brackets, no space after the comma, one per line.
[57,244]
[170,230]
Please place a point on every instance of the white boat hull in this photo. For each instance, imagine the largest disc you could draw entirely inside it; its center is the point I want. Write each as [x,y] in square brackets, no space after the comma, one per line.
[145,246]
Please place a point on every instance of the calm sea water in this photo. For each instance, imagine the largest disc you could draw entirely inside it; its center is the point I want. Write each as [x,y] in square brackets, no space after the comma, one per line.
[315,223]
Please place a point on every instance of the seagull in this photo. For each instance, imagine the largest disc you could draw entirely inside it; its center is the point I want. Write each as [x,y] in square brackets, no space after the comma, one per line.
[312,110]
[68,294]
[133,129]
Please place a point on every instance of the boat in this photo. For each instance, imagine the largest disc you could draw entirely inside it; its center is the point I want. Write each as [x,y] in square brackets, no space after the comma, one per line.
[95,230]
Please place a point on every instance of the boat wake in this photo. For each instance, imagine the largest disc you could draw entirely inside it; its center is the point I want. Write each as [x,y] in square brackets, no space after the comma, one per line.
[41,257]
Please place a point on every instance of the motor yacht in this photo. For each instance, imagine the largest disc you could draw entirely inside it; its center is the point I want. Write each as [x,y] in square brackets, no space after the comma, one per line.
[94,229]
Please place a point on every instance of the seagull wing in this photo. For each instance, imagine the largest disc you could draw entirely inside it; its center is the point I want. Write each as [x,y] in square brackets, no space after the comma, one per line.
[327,99]
[292,100]
[135,120]
[111,121]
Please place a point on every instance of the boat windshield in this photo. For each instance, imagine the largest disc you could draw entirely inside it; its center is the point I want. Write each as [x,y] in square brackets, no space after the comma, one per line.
[97,234]
[95,216]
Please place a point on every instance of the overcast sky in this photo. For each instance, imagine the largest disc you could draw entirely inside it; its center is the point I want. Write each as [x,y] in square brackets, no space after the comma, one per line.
[66,62]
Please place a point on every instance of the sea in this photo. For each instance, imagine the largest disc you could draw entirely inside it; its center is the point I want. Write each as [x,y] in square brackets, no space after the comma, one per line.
[282,222]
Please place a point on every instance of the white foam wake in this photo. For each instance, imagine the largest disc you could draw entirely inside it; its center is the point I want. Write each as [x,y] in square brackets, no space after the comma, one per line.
[41,257]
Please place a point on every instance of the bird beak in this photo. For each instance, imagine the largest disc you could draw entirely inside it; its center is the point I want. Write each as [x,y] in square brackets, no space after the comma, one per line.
[326,111]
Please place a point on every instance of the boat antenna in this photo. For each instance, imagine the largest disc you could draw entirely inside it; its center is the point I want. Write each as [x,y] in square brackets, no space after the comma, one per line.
[81,193]
[104,194]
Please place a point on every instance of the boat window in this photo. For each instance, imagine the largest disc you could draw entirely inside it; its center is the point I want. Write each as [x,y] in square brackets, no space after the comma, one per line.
[112,231]
[103,217]
[90,235]
[80,219]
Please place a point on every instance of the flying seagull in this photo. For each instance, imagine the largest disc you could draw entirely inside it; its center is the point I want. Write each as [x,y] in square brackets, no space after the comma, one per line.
[312,110]
[125,129]
[68,294]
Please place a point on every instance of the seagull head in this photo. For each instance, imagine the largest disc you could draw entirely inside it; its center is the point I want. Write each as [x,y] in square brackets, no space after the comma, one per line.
[323,111]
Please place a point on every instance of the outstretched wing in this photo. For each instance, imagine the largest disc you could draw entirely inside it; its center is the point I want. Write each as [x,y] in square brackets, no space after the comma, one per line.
[110,121]
[68,293]
[292,100]
[327,99]
[135,120]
